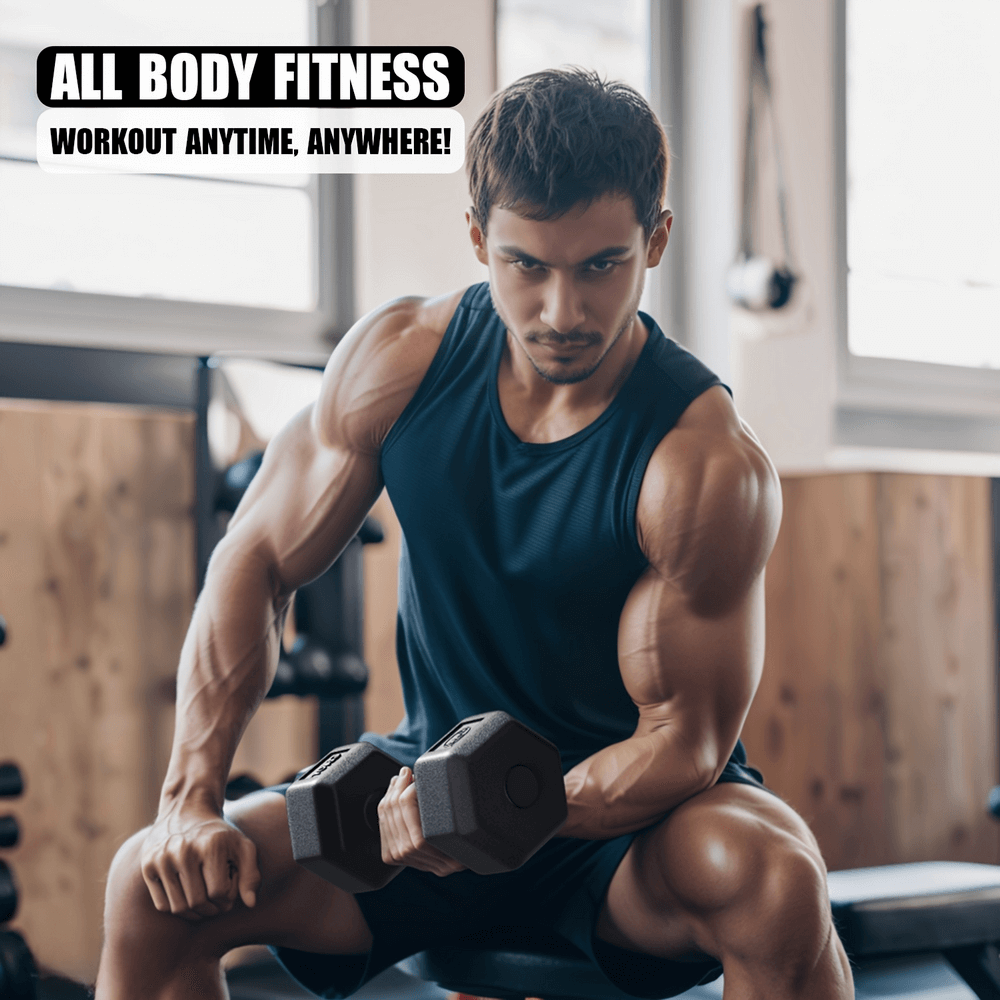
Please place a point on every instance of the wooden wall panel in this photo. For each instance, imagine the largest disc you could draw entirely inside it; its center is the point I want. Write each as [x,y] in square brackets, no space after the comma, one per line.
[815,725]
[97,586]
[937,653]
[876,714]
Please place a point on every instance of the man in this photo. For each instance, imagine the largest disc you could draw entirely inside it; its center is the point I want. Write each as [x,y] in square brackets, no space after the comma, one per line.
[586,522]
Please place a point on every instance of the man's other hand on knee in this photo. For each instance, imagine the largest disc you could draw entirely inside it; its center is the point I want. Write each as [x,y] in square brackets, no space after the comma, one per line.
[196,865]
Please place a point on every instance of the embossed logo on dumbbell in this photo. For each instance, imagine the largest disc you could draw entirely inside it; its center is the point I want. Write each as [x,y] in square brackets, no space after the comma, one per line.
[463,732]
[325,764]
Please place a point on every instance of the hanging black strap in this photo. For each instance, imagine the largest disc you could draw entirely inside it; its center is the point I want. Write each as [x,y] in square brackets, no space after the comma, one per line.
[760,80]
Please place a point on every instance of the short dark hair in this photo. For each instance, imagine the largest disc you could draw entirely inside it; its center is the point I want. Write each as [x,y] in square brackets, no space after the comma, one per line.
[560,137]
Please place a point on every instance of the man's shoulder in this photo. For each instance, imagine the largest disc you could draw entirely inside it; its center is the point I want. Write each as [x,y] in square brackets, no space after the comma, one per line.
[415,318]
[710,501]
[378,365]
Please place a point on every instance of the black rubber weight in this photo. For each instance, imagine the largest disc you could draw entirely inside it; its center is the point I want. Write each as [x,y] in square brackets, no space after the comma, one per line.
[10,832]
[18,974]
[11,781]
[8,896]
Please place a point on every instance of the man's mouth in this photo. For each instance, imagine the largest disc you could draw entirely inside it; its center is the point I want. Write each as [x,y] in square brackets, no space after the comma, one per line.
[566,346]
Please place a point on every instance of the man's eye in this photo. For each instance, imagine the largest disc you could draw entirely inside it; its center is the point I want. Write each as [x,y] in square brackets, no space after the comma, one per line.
[602,266]
[526,265]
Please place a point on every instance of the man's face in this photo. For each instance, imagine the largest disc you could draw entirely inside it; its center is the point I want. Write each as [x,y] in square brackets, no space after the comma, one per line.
[568,288]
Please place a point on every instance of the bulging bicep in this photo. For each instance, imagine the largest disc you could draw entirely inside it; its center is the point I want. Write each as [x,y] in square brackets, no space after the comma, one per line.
[692,673]
[320,475]
[305,504]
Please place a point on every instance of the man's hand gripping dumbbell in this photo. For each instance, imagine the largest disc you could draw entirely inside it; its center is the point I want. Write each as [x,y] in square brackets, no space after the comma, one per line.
[490,792]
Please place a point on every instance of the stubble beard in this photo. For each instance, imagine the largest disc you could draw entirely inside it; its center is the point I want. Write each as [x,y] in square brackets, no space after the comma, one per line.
[572,378]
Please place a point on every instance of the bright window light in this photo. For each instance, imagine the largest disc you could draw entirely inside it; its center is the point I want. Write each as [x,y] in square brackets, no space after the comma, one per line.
[248,240]
[612,38]
[923,195]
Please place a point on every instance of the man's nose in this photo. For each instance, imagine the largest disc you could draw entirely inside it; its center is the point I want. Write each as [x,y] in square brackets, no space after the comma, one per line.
[562,308]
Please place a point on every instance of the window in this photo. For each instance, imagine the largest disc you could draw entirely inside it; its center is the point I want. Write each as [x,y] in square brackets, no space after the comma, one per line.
[918,354]
[174,263]
[610,38]
[923,202]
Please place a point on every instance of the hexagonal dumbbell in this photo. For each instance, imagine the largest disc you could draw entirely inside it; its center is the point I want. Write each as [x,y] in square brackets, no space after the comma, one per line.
[490,791]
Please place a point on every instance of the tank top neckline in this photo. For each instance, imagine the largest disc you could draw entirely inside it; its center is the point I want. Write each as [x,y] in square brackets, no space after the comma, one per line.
[493,375]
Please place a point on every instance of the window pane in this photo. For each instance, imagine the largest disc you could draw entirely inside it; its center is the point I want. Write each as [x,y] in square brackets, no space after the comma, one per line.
[240,240]
[37,23]
[923,201]
[612,38]
[182,238]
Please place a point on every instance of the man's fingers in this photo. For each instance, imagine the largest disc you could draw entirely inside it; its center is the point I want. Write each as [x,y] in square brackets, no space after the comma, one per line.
[171,883]
[195,891]
[412,847]
[425,855]
[403,841]
[220,874]
[410,814]
[387,824]
[156,890]
[189,860]
[248,873]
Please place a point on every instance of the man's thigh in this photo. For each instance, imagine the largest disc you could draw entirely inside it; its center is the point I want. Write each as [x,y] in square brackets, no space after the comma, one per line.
[678,876]
[296,907]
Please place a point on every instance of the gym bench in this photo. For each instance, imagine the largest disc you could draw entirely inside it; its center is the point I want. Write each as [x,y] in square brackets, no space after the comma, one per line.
[929,929]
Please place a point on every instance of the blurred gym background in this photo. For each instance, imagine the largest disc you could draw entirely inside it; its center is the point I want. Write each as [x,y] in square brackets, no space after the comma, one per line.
[155,332]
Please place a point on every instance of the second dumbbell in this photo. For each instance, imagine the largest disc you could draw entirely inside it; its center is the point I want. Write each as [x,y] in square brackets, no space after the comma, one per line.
[490,793]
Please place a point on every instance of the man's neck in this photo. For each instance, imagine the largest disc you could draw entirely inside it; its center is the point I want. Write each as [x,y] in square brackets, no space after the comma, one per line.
[538,410]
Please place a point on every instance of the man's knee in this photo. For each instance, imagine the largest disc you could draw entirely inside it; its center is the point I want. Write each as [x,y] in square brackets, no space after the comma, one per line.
[760,889]
[126,895]
[130,918]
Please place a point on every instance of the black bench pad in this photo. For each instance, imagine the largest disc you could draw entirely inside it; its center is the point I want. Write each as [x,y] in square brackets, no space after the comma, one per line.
[927,906]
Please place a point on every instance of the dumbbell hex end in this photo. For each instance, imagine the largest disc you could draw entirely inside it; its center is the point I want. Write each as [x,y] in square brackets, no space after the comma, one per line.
[491,792]
[332,823]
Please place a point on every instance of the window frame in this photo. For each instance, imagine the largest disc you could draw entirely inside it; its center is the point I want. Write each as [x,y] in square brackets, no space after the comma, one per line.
[174,326]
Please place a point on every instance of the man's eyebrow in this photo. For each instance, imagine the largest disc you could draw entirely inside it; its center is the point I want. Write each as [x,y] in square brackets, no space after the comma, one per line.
[514,251]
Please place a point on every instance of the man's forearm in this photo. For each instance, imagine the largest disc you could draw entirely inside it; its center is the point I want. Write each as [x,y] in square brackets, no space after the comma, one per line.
[226,666]
[629,785]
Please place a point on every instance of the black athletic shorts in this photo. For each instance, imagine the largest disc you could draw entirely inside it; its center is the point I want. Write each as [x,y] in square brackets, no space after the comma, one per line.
[561,887]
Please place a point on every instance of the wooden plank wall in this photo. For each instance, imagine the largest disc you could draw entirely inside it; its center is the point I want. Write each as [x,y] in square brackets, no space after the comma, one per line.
[97,585]
[876,717]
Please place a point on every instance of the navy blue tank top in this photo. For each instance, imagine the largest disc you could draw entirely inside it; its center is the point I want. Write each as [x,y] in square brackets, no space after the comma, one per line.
[517,557]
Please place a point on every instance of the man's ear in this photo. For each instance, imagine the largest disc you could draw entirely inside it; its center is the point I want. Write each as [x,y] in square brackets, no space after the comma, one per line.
[658,238]
[478,238]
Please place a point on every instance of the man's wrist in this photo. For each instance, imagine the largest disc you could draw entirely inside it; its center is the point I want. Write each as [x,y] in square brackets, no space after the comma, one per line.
[204,794]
